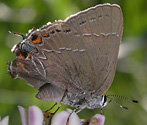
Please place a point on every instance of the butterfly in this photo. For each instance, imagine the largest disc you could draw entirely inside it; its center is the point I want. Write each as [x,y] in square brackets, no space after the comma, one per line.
[72,61]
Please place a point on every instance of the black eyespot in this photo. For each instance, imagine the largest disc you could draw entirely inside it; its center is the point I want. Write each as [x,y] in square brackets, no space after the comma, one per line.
[68,30]
[24,54]
[57,30]
[93,18]
[100,16]
[17,52]
[83,22]
[52,32]
[34,37]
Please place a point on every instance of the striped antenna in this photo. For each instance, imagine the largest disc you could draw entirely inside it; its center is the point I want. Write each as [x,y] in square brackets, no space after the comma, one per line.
[135,101]
[117,103]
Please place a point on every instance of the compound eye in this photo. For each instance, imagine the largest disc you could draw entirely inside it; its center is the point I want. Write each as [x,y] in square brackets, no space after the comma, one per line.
[104,100]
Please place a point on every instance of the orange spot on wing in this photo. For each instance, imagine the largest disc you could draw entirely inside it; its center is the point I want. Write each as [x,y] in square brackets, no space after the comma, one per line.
[20,63]
[14,75]
[45,34]
[36,39]
[20,56]
[29,56]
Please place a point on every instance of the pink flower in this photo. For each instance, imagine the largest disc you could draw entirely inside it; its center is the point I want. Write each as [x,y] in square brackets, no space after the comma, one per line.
[33,116]
[64,117]
[97,119]
[4,121]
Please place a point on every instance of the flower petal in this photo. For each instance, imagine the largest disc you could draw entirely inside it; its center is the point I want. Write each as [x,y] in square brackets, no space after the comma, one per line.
[74,118]
[35,116]
[5,121]
[61,118]
[23,114]
[97,119]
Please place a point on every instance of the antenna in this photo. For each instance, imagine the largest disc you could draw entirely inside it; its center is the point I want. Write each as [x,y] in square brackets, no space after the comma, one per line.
[135,101]
[117,103]
[18,34]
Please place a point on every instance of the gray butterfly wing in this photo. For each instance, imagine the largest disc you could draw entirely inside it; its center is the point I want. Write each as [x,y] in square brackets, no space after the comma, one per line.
[27,70]
[78,54]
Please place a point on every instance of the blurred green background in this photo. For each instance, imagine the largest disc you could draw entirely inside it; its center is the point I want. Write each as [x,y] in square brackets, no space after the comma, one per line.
[131,75]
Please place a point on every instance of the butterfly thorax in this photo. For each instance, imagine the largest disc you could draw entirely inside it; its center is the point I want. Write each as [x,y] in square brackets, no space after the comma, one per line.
[84,100]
